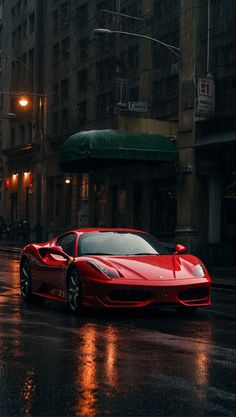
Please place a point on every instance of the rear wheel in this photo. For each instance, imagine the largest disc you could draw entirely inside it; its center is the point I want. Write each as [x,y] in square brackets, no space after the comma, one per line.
[25,281]
[74,291]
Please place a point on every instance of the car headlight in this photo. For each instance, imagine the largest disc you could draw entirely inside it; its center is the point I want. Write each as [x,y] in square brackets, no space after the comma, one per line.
[198,270]
[108,271]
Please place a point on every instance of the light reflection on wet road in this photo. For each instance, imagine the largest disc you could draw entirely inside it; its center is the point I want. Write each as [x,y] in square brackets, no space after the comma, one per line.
[114,363]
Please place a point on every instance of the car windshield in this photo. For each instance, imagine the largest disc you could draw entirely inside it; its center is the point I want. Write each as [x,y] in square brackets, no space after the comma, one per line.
[120,244]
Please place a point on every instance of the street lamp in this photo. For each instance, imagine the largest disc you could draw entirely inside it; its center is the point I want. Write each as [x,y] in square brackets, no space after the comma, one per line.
[103,31]
[24,102]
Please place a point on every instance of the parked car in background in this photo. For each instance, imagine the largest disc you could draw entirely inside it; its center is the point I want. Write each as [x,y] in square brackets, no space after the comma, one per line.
[5,228]
[21,230]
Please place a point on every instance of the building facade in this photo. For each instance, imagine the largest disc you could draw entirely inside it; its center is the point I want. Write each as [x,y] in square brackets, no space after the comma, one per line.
[77,81]
[81,81]
[206,139]
[22,73]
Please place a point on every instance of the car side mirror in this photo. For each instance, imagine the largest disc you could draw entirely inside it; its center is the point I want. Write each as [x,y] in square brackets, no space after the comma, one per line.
[179,249]
[57,250]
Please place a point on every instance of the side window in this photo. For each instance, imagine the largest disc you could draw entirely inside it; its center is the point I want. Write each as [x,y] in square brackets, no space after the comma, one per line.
[67,242]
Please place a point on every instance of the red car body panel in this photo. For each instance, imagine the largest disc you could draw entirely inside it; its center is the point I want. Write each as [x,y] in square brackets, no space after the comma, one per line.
[141,281]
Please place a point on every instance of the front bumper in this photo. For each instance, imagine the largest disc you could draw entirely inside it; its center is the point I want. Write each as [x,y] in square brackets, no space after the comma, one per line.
[116,294]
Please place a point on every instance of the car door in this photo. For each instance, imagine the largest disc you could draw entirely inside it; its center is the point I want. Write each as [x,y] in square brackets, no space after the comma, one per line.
[53,275]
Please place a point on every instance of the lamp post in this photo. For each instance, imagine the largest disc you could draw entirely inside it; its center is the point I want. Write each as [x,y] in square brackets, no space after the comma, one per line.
[102,31]
[24,102]
[40,167]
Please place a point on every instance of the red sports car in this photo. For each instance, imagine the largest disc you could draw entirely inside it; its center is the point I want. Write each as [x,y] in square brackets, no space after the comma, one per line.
[113,268]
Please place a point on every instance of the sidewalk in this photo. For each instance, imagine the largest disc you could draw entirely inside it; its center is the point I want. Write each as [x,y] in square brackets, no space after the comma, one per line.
[222,277]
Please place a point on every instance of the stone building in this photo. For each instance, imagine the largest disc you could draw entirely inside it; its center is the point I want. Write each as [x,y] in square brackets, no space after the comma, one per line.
[82,81]
[206,138]
[78,82]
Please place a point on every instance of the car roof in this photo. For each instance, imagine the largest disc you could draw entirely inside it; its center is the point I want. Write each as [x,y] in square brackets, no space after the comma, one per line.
[106,229]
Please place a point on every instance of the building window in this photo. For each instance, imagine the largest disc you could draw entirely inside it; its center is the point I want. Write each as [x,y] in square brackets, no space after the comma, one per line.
[13,39]
[82,16]
[13,137]
[13,13]
[18,7]
[64,119]
[82,80]
[132,8]
[18,34]
[24,29]
[82,113]
[30,132]
[31,23]
[83,49]
[13,70]
[170,86]
[64,90]
[65,13]
[105,4]
[55,54]
[134,93]
[31,67]
[133,57]
[55,92]
[55,19]
[22,134]
[105,104]
[55,121]
[23,59]
[65,47]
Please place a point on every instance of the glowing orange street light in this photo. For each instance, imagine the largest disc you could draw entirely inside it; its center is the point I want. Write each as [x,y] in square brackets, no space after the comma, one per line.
[23,101]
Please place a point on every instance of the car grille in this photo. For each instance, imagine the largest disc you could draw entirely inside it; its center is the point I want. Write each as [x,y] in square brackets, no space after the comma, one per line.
[194,294]
[129,295]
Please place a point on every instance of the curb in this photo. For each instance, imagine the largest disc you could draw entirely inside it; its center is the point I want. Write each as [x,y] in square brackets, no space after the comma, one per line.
[9,249]
[223,286]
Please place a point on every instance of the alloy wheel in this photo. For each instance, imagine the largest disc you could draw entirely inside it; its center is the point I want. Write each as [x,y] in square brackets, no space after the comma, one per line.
[25,281]
[74,294]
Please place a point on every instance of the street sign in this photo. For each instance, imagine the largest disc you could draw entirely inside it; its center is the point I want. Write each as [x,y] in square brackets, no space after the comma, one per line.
[137,106]
[205,101]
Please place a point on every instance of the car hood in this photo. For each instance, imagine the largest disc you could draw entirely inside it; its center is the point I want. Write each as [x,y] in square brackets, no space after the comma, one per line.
[154,267]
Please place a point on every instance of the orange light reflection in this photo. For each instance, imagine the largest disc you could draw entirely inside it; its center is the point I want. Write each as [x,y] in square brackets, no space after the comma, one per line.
[86,373]
[203,359]
[89,368]
[27,393]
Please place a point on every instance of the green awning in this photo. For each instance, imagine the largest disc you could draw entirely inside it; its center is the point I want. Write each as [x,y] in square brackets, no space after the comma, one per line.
[94,147]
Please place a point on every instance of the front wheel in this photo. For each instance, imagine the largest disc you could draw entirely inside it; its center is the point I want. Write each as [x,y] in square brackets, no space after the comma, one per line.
[25,281]
[74,291]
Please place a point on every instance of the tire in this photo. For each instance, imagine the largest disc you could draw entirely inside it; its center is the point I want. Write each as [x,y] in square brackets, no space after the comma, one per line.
[74,291]
[186,310]
[25,281]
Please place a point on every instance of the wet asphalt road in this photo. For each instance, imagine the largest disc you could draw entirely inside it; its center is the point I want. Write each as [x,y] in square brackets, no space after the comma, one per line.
[150,363]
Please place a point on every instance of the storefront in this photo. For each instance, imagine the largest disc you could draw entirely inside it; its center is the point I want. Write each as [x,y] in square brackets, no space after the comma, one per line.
[131,179]
[216,160]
